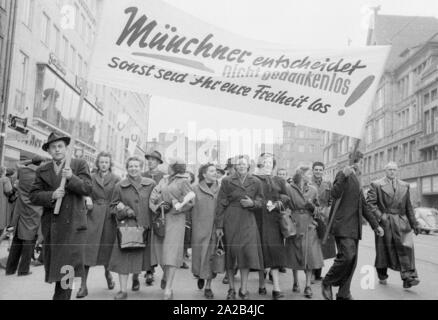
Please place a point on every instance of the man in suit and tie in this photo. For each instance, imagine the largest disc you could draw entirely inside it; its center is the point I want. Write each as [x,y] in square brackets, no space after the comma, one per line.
[347,227]
[389,200]
[65,234]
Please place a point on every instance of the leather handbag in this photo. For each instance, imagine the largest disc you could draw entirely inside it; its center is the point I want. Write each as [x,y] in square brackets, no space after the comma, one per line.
[288,226]
[131,237]
[159,224]
[218,260]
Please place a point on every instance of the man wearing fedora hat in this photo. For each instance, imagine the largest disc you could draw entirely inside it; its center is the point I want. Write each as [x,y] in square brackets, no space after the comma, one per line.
[64,234]
[154,159]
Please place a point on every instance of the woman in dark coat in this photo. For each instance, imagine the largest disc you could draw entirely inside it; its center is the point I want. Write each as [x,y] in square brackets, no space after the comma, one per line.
[130,205]
[203,230]
[304,250]
[267,217]
[101,225]
[239,196]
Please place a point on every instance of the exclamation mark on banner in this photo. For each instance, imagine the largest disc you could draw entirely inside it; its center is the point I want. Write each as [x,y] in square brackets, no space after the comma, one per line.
[358,93]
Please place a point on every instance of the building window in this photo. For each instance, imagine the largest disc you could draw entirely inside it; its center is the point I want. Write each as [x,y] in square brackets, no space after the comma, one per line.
[65,47]
[45,29]
[28,12]
[382,160]
[412,151]
[427,122]
[380,129]
[57,40]
[301,149]
[389,156]
[433,95]
[376,162]
[73,59]
[405,153]
[395,154]
[301,134]
[434,120]
[20,94]
[369,164]
[426,99]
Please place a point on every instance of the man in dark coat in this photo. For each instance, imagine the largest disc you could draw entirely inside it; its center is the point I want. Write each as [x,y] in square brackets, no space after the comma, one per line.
[27,220]
[325,201]
[389,200]
[64,234]
[154,160]
[347,228]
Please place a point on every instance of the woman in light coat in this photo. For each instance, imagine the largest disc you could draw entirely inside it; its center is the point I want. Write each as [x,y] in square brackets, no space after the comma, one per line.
[174,195]
[304,250]
[203,229]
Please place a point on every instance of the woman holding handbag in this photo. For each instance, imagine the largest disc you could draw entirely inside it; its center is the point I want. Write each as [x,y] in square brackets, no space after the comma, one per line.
[304,249]
[267,217]
[239,196]
[130,205]
[174,196]
[203,231]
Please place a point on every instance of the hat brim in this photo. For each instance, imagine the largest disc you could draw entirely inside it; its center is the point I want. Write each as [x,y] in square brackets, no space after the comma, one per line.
[153,157]
[47,144]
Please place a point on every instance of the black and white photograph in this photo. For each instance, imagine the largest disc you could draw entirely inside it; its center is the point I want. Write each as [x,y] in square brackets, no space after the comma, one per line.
[220,152]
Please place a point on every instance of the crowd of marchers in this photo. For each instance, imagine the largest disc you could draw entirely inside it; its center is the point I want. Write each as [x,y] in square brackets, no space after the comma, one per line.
[231,219]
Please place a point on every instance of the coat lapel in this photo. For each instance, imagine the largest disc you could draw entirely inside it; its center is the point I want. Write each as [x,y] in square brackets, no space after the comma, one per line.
[400,191]
[388,189]
[213,191]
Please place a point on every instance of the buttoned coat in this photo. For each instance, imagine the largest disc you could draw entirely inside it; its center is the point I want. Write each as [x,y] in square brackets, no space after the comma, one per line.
[136,198]
[242,239]
[203,229]
[101,224]
[65,234]
[393,209]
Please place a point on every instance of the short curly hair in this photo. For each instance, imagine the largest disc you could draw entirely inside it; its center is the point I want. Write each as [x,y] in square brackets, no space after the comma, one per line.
[104,154]
[134,158]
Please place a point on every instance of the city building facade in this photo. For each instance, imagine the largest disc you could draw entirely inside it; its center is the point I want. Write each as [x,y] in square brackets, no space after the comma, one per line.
[403,121]
[301,146]
[52,49]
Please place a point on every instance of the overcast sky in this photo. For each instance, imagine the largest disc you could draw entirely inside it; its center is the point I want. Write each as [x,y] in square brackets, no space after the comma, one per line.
[303,24]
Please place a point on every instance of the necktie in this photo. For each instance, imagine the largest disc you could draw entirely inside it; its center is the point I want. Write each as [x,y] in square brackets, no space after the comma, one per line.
[58,163]
[394,185]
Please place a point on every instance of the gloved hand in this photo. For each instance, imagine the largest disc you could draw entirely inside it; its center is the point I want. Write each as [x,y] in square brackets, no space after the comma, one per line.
[309,207]
[130,213]
[166,207]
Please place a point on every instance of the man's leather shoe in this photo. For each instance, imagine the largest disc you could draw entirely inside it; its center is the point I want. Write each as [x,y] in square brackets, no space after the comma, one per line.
[185,266]
[282,270]
[349,297]
[201,284]
[327,291]
[24,274]
[121,296]
[277,295]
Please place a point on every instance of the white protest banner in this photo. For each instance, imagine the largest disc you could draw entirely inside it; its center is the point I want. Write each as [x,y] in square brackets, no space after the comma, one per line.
[152,47]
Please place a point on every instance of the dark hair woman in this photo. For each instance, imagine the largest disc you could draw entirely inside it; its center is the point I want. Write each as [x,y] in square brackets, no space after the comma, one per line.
[203,230]
[130,205]
[240,195]
[101,225]
[175,196]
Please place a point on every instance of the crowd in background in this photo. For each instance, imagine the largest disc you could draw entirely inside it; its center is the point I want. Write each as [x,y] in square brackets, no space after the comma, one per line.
[237,209]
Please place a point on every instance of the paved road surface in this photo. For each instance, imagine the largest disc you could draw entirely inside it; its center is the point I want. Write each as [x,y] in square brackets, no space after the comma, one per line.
[33,286]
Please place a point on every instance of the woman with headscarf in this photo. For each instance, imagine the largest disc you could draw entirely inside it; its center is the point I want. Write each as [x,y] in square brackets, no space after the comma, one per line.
[203,231]
[101,225]
[130,205]
[304,250]
[267,217]
[239,196]
[174,195]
